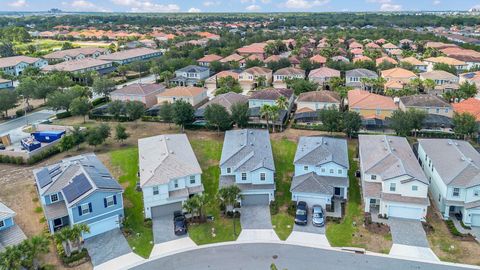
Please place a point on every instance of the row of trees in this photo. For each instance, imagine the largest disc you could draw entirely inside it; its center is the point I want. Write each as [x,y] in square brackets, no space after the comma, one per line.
[25,255]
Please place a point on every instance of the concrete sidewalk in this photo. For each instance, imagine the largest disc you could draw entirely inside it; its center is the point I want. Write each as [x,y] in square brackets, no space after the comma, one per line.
[413,252]
[258,235]
[174,246]
[308,239]
[122,262]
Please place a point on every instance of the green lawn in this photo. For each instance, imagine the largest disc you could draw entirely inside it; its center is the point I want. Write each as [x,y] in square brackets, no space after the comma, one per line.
[208,153]
[283,154]
[141,235]
[341,234]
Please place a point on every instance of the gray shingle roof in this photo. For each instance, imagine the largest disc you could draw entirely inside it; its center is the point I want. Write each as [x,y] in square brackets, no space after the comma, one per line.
[5,212]
[229,180]
[389,157]
[424,101]
[227,100]
[457,162]
[313,183]
[361,73]
[272,94]
[193,69]
[166,157]
[11,236]
[316,151]
[247,150]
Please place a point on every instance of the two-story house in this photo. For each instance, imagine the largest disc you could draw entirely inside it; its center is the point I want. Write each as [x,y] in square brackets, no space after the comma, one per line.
[247,161]
[373,108]
[269,97]
[430,104]
[393,182]
[323,75]
[15,65]
[10,233]
[453,169]
[193,95]
[78,190]
[190,75]
[75,54]
[169,173]
[321,171]
[283,74]
[353,78]
[254,77]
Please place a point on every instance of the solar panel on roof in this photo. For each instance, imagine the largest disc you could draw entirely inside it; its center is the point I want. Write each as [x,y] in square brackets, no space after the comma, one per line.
[44,178]
[55,173]
[79,186]
[54,169]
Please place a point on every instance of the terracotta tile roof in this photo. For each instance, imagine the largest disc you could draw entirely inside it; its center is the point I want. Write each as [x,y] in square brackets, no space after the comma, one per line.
[439,45]
[252,57]
[445,60]
[380,60]
[471,105]
[254,48]
[138,89]
[258,71]
[354,45]
[393,85]
[208,35]
[289,71]
[372,45]
[232,58]
[182,92]
[390,46]
[413,61]
[210,58]
[324,72]
[439,75]
[273,58]
[304,110]
[365,100]
[15,60]
[398,73]
[319,96]
[271,94]
[225,73]
[357,51]
[318,59]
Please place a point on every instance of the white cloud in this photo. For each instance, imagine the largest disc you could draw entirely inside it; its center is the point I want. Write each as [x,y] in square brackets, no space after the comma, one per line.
[379,1]
[266,1]
[147,6]
[436,2]
[253,8]
[18,4]
[304,4]
[248,1]
[390,7]
[211,3]
[82,4]
[194,10]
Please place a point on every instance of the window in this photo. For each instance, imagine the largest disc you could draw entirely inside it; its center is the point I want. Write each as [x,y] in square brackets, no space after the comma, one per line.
[323,169]
[229,170]
[244,176]
[373,201]
[175,183]
[393,186]
[2,224]
[85,208]
[109,201]
[373,177]
[262,176]
[331,170]
[340,171]
[476,193]
[58,222]
[414,188]
[54,198]
[155,190]
[192,179]
[439,197]
[456,192]
[305,168]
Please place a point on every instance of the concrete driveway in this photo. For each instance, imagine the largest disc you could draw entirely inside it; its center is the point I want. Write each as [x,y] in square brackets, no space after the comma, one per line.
[107,246]
[309,228]
[163,230]
[308,235]
[256,217]
[408,232]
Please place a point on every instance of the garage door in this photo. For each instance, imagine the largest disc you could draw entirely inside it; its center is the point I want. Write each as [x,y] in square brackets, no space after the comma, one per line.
[311,201]
[102,226]
[165,210]
[257,199]
[476,220]
[405,212]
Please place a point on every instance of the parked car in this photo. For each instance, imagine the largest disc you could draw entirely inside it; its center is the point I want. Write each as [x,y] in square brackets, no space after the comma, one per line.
[180,223]
[301,215]
[2,147]
[318,216]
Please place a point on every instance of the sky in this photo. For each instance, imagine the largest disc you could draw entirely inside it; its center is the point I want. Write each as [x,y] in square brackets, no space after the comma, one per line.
[237,5]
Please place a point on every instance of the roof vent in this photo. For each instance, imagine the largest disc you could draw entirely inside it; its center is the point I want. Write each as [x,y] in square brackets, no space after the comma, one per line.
[171,152]
[463,158]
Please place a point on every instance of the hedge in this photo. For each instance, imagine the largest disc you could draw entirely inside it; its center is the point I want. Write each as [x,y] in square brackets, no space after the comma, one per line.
[99,101]
[453,230]
[63,115]
[74,257]
[309,127]
[121,118]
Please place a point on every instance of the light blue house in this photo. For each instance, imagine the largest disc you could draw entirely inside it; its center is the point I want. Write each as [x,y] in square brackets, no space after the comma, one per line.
[247,161]
[321,171]
[10,233]
[190,75]
[80,190]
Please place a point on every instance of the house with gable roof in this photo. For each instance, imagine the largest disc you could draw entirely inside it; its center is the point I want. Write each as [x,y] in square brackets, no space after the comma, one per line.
[10,233]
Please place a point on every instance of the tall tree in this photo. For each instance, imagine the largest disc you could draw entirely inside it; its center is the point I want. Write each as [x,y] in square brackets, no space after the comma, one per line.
[217,116]
[331,119]
[165,112]
[117,108]
[135,110]
[103,86]
[121,133]
[240,114]
[351,122]
[80,106]
[266,112]
[8,100]
[465,124]
[26,88]
[183,113]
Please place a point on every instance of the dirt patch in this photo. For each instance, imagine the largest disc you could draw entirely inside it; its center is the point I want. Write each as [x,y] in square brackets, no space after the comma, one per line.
[294,134]
[376,228]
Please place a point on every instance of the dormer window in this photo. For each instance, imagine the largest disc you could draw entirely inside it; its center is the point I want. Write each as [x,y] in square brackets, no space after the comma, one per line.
[229,170]
[262,176]
[175,183]
[54,198]
[456,192]
[414,188]
[393,187]
[373,177]
[305,168]
[244,176]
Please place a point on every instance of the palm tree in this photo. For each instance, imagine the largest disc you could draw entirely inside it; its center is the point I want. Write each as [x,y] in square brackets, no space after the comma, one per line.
[32,248]
[196,205]
[282,104]
[274,114]
[166,76]
[265,112]
[379,84]
[429,84]
[10,259]
[229,196]
[261,81]
[70,237]
[190,206]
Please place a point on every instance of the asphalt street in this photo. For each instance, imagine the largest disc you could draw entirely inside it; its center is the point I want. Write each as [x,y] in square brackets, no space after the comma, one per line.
[261,256]
[20,121]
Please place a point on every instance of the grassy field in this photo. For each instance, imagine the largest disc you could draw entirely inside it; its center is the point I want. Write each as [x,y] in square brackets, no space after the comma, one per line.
[47,45]
[141,236]
[341,234]
[283,154]
[208,152]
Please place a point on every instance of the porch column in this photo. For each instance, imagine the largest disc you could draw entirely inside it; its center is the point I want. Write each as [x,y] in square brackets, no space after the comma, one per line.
[446,214]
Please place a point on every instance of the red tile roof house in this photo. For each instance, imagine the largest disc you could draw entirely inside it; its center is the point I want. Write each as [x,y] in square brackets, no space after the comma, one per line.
[318,59]
[323,75]
[248,78]
[75,54]
[145,93]
[371,107]
[208,59]
[15,65]
[283,74]
[255,48]
[471,106]
[253,57]
[212,82]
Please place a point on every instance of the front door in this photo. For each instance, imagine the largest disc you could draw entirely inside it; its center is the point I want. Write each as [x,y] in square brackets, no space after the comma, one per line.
[337,191]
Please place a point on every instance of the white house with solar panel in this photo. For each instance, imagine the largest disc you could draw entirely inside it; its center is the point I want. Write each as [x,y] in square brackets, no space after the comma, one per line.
[80,190]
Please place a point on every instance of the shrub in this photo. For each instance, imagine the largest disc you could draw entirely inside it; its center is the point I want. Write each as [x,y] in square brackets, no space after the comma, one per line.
[63,115]
[453,230]
[274,207]
[20,113]
[99,101]
[148,223]
[74,257]
[292,208]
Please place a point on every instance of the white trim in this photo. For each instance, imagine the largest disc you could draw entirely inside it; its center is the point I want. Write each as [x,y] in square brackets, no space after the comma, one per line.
[51,199]
[113,201]
[81,209]
[83,221]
